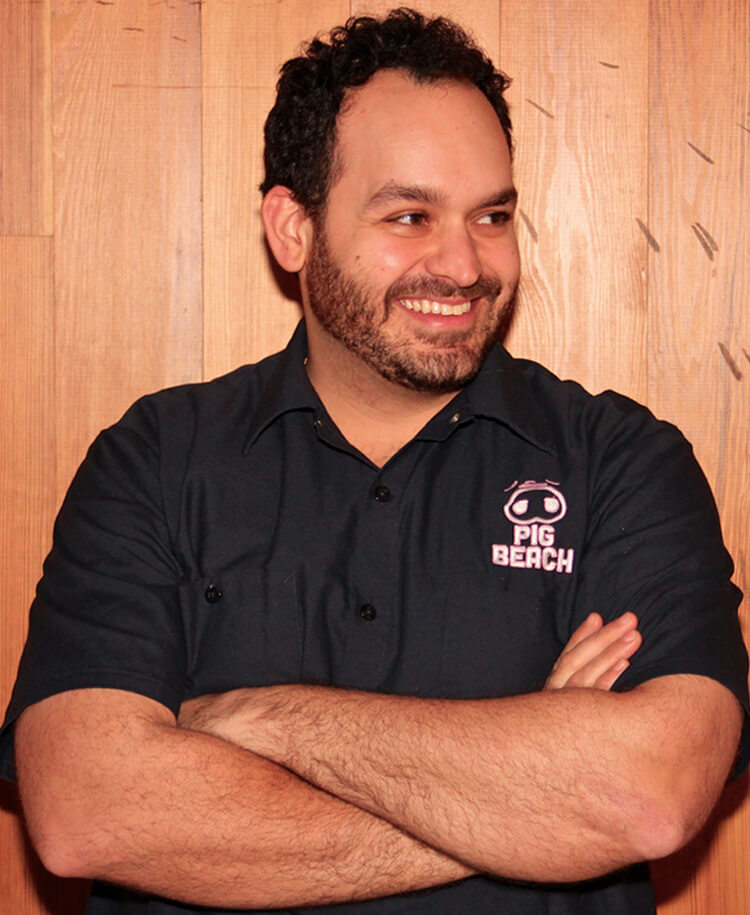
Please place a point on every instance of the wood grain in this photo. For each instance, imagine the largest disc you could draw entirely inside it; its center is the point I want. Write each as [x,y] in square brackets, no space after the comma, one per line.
[699,375]
[249,308]
[127,105]
[25,125]
[26,377]
[579,107]
[699,200]
[27,506]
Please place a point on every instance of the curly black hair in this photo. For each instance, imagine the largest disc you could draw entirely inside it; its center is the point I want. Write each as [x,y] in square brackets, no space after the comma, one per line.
[300,131]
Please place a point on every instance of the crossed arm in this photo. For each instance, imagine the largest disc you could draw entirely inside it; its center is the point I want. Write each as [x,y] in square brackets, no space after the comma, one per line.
[294,795]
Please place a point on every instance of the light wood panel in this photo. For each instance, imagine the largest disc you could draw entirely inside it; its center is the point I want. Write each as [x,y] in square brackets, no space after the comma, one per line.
[579,103]
[27,506]
[25,128]
[699,190]
[247,315]
[699,200]
[127,105]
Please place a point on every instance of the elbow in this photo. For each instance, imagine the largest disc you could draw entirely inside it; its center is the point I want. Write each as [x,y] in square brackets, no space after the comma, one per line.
[678,771]
[65,835]
[60,858]
[669,806]
[61,846]
[660,825]
[657,833]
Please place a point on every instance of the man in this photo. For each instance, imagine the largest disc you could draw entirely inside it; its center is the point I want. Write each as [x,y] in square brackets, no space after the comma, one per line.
[363,572]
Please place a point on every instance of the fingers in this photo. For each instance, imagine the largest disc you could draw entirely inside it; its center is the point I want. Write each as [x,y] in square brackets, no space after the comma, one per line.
[592,623]
[596,654]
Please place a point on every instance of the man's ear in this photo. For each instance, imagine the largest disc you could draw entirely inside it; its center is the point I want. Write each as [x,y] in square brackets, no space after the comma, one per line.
[288,228]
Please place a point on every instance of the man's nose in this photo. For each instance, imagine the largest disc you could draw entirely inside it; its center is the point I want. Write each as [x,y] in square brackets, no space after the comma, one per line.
[454,256]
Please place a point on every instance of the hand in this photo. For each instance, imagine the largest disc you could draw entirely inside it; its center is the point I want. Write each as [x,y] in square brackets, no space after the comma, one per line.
[596,654]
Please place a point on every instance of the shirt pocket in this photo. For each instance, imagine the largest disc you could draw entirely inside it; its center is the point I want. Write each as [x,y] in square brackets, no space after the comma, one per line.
[500,638]
[241,630]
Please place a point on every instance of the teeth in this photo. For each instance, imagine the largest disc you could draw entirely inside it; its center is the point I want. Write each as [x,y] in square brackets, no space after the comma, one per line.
[426,307]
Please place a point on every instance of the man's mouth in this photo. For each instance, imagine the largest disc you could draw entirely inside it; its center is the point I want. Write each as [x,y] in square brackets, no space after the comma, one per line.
[430,307]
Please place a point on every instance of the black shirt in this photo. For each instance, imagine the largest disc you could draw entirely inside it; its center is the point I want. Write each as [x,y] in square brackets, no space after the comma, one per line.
[225,535]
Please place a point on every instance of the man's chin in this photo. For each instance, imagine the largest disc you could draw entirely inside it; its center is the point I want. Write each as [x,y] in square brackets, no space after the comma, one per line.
[434,374]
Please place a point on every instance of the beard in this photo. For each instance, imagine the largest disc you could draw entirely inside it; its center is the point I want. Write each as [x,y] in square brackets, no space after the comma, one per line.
[430,361]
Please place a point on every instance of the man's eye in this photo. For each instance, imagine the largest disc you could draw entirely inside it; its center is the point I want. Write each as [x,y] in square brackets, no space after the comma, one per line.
[494,218]
[410,219]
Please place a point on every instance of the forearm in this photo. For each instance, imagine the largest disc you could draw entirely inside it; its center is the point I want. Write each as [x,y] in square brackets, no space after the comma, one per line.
[194,818]
[550,786]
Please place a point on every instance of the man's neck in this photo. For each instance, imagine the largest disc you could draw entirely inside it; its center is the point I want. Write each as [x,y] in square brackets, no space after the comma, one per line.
[376,416]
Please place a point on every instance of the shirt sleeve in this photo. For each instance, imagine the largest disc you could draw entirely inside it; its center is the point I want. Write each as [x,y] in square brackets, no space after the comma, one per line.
[106,612]
[654,546]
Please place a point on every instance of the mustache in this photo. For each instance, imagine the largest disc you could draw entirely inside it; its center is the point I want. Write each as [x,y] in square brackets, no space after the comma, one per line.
[430,287]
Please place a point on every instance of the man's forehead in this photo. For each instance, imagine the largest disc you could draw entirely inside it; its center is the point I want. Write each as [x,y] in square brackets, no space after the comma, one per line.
[389,82]
[392,104]
[400,139]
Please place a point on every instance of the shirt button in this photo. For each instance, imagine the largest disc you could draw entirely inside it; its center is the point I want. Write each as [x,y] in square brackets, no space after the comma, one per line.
[455,418]
[382,494]
[213,594]
[368,612]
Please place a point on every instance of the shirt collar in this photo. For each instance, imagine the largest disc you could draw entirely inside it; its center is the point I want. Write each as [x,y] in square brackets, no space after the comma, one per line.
[501,391]
[288,388]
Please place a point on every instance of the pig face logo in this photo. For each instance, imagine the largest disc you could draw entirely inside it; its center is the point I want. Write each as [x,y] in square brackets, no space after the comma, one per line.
[532,508]
[535,503]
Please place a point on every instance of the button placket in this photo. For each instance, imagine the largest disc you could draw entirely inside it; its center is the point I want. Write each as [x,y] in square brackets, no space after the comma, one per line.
[374,611]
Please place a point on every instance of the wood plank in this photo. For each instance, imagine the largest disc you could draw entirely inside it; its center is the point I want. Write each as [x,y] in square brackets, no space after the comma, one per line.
[578,103]
[128,220]
[25,125]
[700,196]
[27,506]
[249,308]
[699,337]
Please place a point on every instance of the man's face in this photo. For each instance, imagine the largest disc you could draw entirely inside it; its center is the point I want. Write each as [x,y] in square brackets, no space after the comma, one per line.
[414,262]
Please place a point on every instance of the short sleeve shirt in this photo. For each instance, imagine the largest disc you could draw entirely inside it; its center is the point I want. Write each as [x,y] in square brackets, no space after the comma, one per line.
[225,534]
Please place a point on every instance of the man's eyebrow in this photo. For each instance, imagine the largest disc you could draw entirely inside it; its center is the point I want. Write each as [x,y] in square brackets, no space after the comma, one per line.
[502,199]
[393,192]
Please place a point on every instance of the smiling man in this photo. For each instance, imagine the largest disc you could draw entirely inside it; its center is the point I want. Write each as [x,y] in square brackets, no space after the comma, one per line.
[411,265]
[390,622]
[413,277]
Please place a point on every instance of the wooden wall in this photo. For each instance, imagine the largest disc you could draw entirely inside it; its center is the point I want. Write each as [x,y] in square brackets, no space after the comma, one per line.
[131,255]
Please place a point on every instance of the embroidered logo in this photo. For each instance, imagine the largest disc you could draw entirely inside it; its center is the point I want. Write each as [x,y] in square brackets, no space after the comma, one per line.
[533,509]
